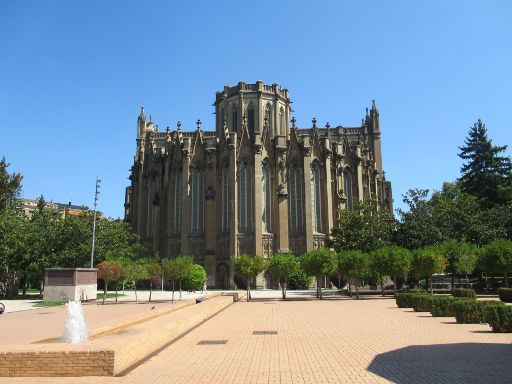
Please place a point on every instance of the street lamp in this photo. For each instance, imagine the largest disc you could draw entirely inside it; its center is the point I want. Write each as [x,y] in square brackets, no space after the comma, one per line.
[96,194]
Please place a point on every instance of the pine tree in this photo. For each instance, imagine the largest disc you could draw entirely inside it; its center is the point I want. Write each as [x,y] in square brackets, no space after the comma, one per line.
[485,174]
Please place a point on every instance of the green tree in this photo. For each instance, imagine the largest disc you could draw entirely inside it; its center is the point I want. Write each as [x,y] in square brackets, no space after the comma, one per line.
[365,228]
[428,261]
[353,264]
[497,257]
[12,230]
[284,266]
[461,258]
[170,272]
[195,279]
[153,270]
[108,271]
[136,271]
[248,267]
[184,265]
[319,262]
[486,173]
[393,261]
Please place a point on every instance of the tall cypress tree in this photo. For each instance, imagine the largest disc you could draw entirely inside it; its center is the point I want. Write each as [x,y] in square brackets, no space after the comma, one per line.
[486,173]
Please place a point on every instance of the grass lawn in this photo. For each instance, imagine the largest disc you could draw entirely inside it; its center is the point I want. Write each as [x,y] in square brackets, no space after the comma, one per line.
[44,304]
[109,296]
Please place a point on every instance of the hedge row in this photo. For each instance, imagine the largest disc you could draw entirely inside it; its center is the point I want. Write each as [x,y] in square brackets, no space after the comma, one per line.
[464,292]
[505,294]
[465,309]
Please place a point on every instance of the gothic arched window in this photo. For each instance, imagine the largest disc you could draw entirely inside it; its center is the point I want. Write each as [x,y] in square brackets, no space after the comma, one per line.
[347,177]
[245,199]
[177,203]
[197,200]
[282,128]
[250,121]
[266,214]
[268,115]
[295,194]
[234,119]
[316,198]
[151,193]
[225,200]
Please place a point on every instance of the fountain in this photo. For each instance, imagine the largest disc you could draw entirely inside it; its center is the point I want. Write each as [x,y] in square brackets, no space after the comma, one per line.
[75,330]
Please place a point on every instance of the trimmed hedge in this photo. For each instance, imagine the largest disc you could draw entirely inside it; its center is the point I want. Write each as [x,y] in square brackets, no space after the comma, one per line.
[417,290]
[421,302]
[505,294]
[467,311]
[442,305]
[499,317]
[405,300]
[464,292]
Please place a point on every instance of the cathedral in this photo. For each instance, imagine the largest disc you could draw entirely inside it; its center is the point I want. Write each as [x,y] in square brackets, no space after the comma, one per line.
[257,184]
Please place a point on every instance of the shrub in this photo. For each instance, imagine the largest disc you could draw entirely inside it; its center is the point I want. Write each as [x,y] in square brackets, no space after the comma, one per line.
[464,292]
[467,311]
[505,294]
[421,302]
[405,300]
[442,306]
[499,317]
[417,290]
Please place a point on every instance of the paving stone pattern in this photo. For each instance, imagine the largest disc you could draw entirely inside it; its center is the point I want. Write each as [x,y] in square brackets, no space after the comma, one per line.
[329,341]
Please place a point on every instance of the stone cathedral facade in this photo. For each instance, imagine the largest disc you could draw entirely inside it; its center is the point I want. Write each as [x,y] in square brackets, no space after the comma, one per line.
[257,184]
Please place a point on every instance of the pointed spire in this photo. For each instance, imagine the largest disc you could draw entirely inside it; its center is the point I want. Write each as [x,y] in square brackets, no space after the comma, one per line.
[142,114]
[293,121]
[150,118]
[314,122]
[374,107]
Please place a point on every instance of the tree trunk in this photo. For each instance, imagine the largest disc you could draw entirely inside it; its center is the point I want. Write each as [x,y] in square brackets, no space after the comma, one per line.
[453,282]
[394,285]
[349,286]
[357,288]
[124,281]
[150,290]
[248,290]
[319,284]
[25,284]
[430,284]
[105,292]
[135,287]
[283,290]
[116,291]
[41,286]
[172,301]
[180,289]
[506,280]
[382,286]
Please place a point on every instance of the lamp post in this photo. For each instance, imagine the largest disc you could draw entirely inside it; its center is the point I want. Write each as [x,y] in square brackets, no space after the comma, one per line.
[96,194]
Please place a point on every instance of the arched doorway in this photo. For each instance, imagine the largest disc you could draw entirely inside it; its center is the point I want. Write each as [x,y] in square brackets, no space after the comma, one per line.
[268,281]
[222,277]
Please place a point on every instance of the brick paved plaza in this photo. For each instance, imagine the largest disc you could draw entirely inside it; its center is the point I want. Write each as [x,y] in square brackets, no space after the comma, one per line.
[330,341]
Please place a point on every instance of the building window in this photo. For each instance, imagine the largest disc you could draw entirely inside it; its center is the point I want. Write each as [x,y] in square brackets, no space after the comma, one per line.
[245,199]
[225,200]
[282,127]
[151,193]
[266,213]
[234,119]
[268,115]
[295,195]
[347,176]
[316,198]
[197,195]
[177,203]
[250,121]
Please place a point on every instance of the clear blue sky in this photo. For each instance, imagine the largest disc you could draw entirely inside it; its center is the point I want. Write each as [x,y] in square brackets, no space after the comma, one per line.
[73,75]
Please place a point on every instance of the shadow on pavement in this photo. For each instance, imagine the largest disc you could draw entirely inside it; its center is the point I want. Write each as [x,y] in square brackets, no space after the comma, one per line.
[446,363]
